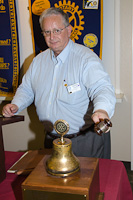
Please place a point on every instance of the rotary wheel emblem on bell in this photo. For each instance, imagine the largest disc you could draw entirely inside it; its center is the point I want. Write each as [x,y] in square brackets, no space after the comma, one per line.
[61,127]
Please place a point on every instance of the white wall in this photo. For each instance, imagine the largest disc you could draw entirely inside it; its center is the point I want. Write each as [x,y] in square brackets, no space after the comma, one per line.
[121,140]
[117,48]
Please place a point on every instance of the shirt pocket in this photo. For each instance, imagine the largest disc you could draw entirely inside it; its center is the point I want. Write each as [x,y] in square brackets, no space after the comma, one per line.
[65,97]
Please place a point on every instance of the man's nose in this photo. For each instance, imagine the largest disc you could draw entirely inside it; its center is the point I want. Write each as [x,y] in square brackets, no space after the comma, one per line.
[51,35]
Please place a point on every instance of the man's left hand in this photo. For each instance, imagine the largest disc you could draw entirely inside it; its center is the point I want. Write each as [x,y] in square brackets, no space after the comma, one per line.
[99,114]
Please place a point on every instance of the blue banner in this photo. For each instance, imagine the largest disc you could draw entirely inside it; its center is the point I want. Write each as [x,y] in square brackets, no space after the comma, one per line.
[9,50]
[85,17]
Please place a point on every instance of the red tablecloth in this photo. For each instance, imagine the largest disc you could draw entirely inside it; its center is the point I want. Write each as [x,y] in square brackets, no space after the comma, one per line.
[113,180]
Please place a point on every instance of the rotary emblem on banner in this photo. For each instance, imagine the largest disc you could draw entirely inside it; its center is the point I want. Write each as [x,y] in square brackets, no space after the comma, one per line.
[75,17]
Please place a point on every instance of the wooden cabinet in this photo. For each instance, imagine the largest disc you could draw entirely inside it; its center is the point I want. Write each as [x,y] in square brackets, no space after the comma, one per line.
[82,185]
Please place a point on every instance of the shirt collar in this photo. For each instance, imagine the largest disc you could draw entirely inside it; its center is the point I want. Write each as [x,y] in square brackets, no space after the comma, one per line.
[63,55]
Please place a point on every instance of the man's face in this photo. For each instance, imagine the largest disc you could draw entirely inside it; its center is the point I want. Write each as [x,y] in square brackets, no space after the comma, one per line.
[57,42]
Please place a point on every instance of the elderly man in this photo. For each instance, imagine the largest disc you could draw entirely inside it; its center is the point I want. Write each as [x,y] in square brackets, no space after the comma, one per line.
[62,81]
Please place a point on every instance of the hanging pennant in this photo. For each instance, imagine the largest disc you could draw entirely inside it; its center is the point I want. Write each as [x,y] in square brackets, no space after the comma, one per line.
[85,17]
[9,50]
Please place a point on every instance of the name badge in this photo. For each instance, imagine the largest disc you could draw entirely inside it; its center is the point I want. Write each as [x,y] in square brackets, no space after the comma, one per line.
[73,88]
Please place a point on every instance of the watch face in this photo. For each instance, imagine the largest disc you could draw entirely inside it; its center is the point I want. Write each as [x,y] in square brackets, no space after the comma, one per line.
[61,127]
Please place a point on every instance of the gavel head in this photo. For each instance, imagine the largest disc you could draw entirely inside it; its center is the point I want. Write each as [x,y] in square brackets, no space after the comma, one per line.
[103,126]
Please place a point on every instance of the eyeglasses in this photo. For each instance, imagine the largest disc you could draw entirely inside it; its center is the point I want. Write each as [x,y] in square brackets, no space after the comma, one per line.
[55,31]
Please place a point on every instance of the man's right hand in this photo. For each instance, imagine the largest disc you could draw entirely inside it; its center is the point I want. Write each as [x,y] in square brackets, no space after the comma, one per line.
[9,110]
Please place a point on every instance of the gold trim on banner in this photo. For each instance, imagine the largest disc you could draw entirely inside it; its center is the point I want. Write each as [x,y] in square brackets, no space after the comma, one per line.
[31,24]
[14,45]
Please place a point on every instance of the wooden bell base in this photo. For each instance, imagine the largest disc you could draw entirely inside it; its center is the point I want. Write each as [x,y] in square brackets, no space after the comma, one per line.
[82,185]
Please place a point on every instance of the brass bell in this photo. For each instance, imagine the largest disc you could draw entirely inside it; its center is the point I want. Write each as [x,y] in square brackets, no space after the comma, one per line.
[62,162]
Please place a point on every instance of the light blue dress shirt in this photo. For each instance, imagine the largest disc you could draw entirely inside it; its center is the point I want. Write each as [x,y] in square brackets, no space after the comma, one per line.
[62,87]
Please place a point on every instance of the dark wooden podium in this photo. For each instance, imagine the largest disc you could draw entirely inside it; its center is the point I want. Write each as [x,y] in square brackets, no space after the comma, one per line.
[83,185]
[4,121]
